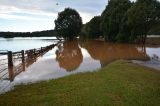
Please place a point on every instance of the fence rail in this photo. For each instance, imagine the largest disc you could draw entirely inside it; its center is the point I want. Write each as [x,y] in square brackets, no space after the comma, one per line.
[15,62]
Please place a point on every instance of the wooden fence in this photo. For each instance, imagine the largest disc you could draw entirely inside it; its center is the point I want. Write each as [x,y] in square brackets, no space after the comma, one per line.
[3,64]
[13,63]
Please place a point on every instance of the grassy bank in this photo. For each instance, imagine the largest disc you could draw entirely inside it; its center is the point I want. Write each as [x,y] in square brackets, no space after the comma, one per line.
[120,83]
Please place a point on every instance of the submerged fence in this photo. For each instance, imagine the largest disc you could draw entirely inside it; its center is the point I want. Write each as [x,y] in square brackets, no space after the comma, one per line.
[13,63]
[3,64]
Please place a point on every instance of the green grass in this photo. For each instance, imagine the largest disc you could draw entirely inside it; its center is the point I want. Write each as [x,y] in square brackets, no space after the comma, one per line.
[120,83]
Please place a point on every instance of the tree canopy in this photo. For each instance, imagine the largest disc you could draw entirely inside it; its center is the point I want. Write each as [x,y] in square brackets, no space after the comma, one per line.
[114,19]
[92,28]
[68,24]
[125,21]
[142,17]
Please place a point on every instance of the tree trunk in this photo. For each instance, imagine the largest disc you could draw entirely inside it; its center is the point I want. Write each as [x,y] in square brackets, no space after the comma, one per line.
[145,37]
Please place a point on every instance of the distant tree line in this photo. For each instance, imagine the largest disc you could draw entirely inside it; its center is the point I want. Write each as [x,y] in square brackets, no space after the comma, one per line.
[47,33]
[125,21]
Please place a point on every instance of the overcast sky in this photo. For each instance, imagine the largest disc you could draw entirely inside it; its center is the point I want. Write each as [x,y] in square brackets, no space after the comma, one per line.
[37,15]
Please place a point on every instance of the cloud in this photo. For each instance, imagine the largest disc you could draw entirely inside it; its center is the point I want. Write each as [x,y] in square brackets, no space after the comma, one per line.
[46,11]
[30,6]
[15,17]
[87,9]
[33,8]
[49,7]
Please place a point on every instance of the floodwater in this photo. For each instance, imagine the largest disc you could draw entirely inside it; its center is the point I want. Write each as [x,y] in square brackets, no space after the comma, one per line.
[70,57]
[25,43]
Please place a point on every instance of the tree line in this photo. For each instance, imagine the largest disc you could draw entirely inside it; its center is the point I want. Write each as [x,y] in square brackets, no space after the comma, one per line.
[125,21]
[47,33]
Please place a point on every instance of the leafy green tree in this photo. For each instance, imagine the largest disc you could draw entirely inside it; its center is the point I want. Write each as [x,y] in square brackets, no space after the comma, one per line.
[155,30]
[114,20]
[68,24]
[92,29]
[142,16]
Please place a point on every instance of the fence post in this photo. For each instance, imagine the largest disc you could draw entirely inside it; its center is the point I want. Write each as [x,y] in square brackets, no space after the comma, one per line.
[41,51]
[10,66]
[23,60]
[34,52]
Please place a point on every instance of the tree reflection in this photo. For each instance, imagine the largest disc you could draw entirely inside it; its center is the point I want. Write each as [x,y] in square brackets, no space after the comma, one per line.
[108,52]
[69,55]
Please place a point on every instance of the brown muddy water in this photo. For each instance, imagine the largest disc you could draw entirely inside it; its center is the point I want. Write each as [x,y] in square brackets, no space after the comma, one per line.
[70,57]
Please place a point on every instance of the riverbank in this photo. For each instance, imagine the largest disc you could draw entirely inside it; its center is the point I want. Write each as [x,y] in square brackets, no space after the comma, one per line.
[120,83]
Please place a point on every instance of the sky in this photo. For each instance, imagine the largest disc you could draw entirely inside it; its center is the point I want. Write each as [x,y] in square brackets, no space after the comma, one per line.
[38,15]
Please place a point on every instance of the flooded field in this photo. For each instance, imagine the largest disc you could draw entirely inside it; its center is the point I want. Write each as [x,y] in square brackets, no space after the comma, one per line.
[70,57]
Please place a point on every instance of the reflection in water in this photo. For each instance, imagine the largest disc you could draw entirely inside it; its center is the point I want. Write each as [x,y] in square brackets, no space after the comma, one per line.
[25,43]
[18,63]
[108,52]
[69,55]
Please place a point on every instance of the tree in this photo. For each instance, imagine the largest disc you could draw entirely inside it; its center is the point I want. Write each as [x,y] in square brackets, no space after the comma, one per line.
[114,20]
[68,24]
[155,30]
[142,16]
[92,28]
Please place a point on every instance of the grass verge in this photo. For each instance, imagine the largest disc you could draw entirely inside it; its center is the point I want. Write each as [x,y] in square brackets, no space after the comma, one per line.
[120,83]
